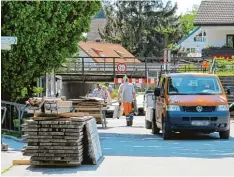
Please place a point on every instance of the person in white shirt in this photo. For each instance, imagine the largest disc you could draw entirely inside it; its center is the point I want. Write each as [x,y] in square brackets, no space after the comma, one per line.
[127,95]
[98,92]
[107,95]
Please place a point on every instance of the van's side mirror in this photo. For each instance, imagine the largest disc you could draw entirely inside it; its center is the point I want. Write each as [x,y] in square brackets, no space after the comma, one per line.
[157,92]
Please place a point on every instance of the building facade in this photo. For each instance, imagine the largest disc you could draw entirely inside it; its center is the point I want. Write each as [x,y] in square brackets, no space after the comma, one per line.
[215,21]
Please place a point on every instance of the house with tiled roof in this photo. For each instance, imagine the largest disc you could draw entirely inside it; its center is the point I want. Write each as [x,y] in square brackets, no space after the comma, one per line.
[215,28]
[216,19]
[97,52]
[193,43]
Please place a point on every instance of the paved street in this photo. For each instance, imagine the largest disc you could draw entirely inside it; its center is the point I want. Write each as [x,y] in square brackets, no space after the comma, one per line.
[135,151]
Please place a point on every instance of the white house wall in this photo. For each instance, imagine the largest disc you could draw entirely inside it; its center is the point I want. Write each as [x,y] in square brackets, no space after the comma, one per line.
[190,43]
[216,36]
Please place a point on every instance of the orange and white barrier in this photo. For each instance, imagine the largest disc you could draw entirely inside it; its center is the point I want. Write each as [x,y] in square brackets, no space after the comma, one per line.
[137,80]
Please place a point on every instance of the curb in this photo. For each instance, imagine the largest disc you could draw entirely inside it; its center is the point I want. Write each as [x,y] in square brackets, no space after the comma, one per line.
[13,138]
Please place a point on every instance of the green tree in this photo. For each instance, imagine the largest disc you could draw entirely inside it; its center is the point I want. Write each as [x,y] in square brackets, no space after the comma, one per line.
[135,25]
[187,19]
[47,32]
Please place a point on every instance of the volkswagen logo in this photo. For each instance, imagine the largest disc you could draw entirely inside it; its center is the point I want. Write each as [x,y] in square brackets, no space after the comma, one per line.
[199,109]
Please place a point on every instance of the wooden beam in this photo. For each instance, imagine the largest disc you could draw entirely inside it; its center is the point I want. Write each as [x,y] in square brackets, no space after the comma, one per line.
[21,162]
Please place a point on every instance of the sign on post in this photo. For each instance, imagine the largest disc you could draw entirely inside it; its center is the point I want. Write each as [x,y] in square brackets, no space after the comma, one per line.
[7,41]
[121,67]
[164,58]
[6,46]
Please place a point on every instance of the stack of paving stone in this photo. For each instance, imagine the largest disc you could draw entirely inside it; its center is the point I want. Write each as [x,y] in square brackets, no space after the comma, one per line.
[56,141]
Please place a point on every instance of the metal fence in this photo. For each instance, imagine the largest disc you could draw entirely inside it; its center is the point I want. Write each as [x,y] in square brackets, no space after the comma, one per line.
[12,116]
[133,66]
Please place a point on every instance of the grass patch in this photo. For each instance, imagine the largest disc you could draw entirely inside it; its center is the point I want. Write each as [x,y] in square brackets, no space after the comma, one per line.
[11,133]
[225,73]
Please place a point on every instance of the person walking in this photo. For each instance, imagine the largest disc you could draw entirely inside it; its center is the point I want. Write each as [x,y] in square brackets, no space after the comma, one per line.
[110,89]
[89,94]
[205,66]
[107,96]
[126,95]
[98,92]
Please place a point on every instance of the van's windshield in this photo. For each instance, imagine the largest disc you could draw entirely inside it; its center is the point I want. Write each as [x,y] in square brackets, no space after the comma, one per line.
[193,85]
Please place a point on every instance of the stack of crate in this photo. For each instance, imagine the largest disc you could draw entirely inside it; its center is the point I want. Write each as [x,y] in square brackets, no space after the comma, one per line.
[56,141]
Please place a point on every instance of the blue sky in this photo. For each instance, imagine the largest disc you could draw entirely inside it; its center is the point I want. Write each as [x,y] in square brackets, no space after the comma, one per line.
[185,5]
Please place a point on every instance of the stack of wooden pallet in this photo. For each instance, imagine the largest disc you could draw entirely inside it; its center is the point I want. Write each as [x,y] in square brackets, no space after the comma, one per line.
[58,141]
[95,108]
[75,102]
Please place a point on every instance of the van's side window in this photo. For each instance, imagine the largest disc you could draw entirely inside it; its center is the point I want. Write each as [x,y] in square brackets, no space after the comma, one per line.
[162,88]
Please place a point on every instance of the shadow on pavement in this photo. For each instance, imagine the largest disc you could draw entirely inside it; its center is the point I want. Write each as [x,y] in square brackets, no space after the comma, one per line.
[144,145]
[65,170]
[12,144]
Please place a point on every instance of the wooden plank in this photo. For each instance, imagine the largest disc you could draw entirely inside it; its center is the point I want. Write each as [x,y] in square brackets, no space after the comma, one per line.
[51,133]
[21,162]
[56,140]
[74,134]
[90,109]
[80,154]
[75,114]
[96,115]
[43,116]
[30,121]
[81,119]
[56,164]
[30,133]
[55,158]
[55,151]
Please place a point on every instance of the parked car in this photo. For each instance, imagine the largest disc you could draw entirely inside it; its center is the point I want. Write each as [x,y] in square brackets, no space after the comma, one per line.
[148,99]
[231,107]
[140,103]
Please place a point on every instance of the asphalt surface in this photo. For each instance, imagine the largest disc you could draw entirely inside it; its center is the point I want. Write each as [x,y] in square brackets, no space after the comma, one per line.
[134,151]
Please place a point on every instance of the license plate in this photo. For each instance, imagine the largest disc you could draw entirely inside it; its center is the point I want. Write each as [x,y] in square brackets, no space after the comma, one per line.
[200,123]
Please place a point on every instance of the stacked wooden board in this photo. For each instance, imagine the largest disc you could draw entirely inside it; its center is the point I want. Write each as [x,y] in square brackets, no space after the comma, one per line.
[61,141]
[49,105]
[57,106]
[95,107]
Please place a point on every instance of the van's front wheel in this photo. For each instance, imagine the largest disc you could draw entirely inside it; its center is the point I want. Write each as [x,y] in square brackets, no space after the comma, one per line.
[224,134]
[155,129]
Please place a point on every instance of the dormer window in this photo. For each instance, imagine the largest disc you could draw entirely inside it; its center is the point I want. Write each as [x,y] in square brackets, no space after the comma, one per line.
[119,53]
[200,37]
[99,52]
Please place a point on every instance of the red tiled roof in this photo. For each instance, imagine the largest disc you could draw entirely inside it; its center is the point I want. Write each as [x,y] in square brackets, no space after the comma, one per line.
[107,50]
